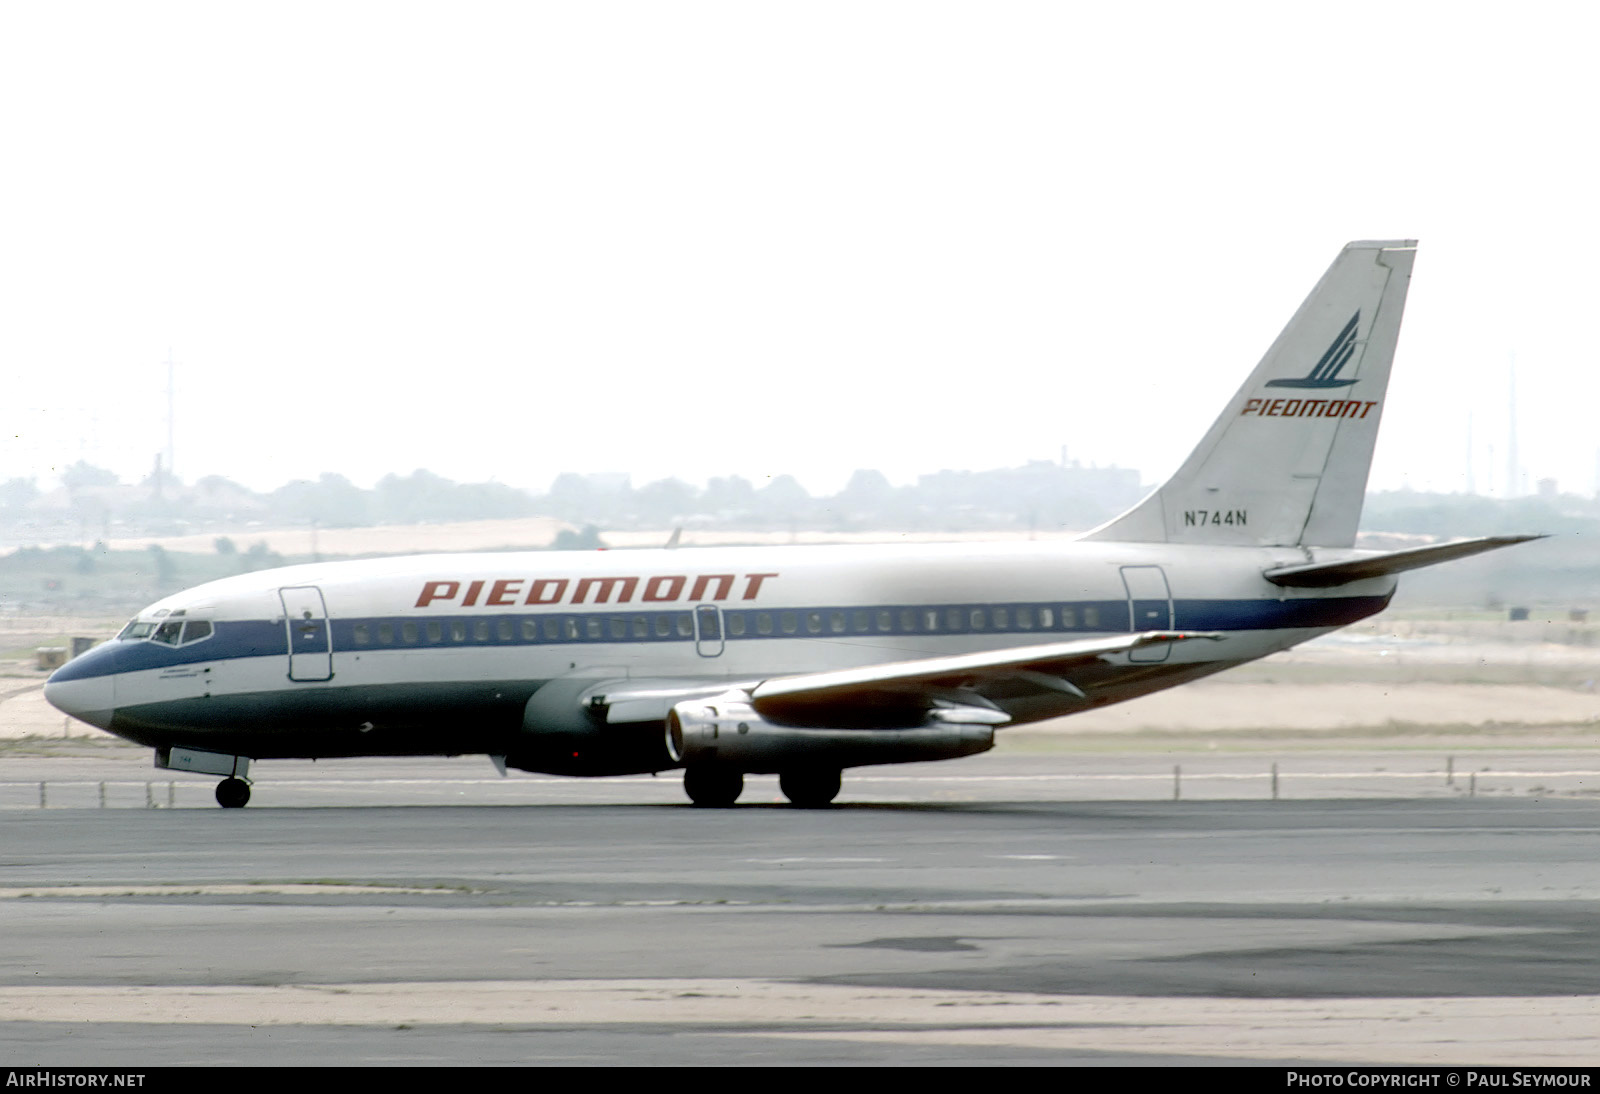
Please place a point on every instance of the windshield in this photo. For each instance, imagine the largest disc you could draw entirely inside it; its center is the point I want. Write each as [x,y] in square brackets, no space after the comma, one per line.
[170,632]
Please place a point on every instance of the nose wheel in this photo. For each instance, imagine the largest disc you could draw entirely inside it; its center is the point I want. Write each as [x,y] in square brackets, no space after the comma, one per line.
[233,793]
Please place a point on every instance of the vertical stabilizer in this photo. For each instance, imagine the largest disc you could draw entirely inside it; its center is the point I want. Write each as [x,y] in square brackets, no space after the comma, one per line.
[1286,463]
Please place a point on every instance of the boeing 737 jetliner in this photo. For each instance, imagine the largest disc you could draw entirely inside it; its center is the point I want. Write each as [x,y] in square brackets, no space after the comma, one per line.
[797,660]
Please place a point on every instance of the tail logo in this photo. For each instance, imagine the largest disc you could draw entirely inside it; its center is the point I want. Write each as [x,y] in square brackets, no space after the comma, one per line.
[1326,372]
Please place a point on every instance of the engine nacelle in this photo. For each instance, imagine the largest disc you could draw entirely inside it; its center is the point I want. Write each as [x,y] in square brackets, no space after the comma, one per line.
[727,731]
[563,735]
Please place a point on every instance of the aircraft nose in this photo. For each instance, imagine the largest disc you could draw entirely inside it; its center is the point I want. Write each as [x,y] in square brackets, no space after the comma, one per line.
[85,688]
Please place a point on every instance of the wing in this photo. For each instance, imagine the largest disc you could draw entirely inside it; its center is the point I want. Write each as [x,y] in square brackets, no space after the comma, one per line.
[960,688]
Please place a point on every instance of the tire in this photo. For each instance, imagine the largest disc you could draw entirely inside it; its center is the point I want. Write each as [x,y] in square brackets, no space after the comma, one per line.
[233,793]
[713,787]
[810,788]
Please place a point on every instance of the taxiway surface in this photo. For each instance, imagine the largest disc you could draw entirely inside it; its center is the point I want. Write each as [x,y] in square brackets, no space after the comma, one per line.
[954,923]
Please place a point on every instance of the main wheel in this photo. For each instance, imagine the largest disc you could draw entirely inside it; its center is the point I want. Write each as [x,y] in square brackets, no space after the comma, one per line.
[713,787]
[233,793]
[810,788]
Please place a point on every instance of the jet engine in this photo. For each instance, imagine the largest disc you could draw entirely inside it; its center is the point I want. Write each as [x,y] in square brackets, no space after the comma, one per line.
[726,732]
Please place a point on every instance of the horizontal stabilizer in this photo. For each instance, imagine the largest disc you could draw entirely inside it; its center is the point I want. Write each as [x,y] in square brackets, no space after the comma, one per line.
[1325,575]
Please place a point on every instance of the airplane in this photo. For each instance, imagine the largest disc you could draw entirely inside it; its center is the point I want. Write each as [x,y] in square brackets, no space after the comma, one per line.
[799,661]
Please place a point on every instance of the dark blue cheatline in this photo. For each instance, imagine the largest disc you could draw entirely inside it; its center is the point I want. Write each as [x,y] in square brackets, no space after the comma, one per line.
[265,638]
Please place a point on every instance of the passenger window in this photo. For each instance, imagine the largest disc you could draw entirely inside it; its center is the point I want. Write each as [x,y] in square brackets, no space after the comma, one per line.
[458,632]
[663,626]
[570,625]
[814,622]
[1025,619]
[408,632]
[1002,619]
[592,627]
[930,620]
[885,621]
[860,622]
[908,620]
[790,621]
[641,627]
[530,631]
[836,622]
[619,627]
[1047,619]
[505,630]
[685,625]
[763,622]
[435,632]
[978,620]
[1091,617]
[359,634]
[385,634]
[952,619]
[480,630]
[735,623]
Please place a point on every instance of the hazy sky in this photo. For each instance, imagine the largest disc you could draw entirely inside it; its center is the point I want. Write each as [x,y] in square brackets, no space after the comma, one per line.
[508,240]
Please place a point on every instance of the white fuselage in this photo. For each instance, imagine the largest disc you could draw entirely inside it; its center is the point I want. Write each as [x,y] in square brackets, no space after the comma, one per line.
[441,653]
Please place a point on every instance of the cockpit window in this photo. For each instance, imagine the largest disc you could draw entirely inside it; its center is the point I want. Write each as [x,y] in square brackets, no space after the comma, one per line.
[174,632]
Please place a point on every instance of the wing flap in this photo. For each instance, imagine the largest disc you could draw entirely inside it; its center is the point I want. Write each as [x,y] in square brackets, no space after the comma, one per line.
[931,682]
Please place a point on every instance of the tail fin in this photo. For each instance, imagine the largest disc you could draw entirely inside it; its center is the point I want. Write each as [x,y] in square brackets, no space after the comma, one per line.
[1286,463]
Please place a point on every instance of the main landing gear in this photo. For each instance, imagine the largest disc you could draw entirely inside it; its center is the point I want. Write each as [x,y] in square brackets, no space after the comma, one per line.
[233,793]
[712,787]
[719,787]
[811,787]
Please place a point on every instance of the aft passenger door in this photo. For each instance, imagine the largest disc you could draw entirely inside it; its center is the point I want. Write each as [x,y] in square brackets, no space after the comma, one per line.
[310,643]
[1149,608]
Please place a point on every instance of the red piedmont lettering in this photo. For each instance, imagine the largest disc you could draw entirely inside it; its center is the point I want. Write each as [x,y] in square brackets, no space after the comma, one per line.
[438,590]
[605,585]
[753,584]
[724,586]
[503,592]
[673,588]
[536,594]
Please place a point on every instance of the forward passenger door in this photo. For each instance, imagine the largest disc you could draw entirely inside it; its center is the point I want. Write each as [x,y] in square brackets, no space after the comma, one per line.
[305,617]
